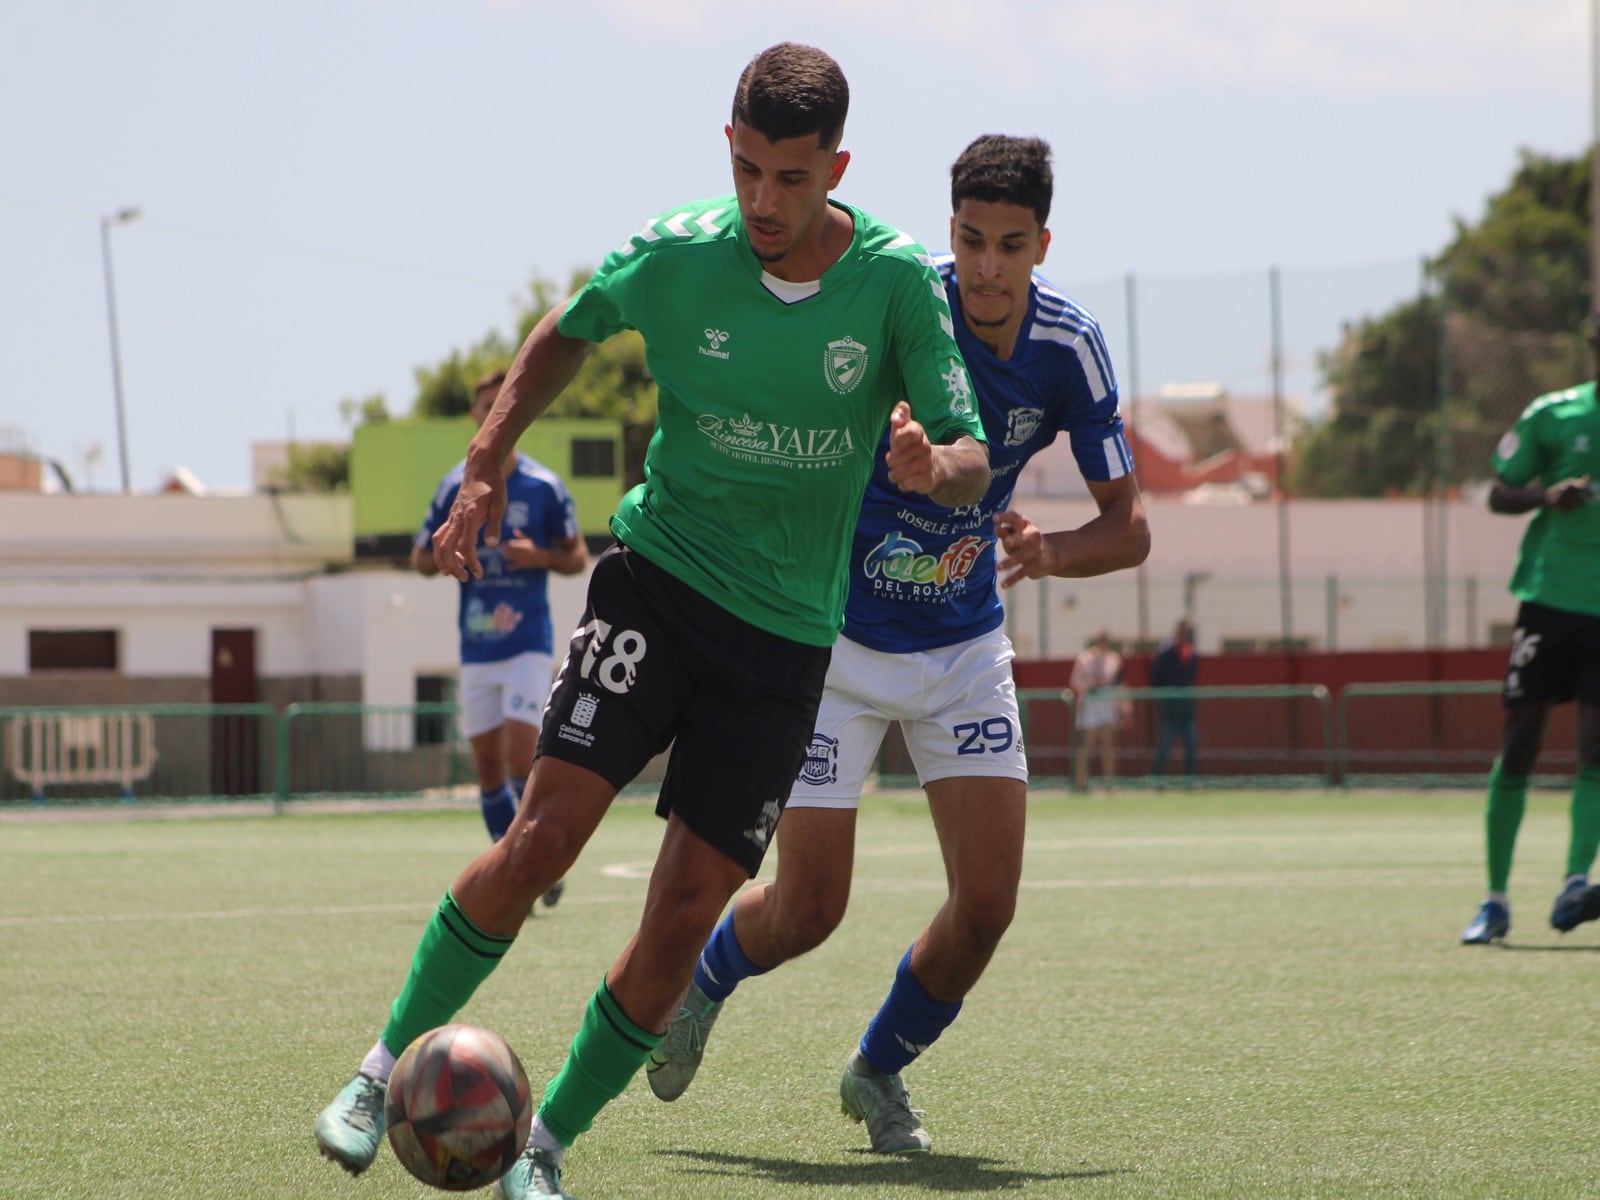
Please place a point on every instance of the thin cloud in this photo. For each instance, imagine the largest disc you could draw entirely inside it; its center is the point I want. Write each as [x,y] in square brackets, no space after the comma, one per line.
[1352,47]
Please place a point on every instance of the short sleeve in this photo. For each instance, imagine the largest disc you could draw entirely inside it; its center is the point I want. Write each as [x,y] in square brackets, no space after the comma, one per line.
[1518,456]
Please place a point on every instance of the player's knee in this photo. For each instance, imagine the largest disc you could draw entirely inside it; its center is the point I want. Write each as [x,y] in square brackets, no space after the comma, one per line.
[1518,756]
[807,924]
[537,852]
[678,918]
[985,916]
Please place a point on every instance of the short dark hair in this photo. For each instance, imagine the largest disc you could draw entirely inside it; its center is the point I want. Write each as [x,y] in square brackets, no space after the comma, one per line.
[492,380]
[790,90]
[1004,170]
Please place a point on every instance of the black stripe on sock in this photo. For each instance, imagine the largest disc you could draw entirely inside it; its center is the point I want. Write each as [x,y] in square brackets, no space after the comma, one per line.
[612,1012]
[458,924]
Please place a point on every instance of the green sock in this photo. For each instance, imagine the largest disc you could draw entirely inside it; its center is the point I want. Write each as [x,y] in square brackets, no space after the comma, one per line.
[1585,821]
[606,1053]
[1508,799]
[452,959]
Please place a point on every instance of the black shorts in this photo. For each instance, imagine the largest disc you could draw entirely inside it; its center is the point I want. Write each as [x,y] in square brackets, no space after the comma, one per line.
[1555,657]
[654,663]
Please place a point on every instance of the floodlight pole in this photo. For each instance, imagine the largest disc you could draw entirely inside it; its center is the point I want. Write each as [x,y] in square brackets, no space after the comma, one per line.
[1594,154]
[117,218]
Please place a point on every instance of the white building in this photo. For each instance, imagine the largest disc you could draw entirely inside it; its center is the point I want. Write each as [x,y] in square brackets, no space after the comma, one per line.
[179,598]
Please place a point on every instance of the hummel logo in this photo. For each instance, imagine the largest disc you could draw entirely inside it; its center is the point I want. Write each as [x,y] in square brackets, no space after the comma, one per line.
[715,339]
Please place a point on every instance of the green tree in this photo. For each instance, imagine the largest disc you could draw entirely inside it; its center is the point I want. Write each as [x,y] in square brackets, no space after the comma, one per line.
[613,382]
[1421,393]
[445,390]
[1380,429]
[322,466]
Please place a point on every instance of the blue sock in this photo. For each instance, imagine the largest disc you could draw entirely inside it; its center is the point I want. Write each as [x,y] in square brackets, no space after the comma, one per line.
[722,963]
[498,809]
[908,1023]
[518,784]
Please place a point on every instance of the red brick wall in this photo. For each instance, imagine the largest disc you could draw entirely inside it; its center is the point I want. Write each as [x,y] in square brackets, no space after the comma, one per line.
[1401,735]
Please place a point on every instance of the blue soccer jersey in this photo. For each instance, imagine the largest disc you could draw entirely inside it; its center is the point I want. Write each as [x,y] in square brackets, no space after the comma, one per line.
[923,576]
[507,612]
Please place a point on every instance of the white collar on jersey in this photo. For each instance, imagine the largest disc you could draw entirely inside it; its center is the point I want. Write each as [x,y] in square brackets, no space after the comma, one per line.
[790,293]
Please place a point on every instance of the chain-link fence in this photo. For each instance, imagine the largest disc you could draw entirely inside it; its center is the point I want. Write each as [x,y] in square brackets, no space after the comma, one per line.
[1340,423]
[1490,375]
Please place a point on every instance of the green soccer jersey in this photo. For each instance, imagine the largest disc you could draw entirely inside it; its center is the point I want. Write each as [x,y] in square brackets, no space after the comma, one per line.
[1557,437]
[771,403]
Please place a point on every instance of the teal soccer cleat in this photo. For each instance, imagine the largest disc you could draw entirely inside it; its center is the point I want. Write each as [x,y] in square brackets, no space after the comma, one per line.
[350,1129]
[674,1062]
[534,1176]
[882,1102]
[1492,922]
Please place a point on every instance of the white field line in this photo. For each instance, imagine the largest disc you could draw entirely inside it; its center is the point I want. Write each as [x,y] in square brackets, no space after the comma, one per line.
[1302,880]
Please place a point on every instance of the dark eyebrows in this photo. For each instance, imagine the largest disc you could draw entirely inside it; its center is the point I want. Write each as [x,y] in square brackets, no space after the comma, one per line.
[974,231]
[787,174]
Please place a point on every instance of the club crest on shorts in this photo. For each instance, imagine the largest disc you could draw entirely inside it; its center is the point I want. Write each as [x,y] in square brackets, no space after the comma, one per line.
[761,832]
[822,761]
[583,710]
[845,364]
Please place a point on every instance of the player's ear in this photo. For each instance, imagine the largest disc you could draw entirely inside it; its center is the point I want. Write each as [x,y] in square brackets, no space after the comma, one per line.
[1044,246]
[841,160]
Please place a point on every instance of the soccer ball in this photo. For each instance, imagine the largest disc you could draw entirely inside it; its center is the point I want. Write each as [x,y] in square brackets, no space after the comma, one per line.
[458,1108]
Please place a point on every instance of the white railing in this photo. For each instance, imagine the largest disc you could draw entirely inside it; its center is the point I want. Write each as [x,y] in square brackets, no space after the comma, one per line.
[44,749]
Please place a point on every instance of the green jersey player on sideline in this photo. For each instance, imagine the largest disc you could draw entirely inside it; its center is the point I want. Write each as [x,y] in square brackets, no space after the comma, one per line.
[785,332]
[1548,463]
[924,645]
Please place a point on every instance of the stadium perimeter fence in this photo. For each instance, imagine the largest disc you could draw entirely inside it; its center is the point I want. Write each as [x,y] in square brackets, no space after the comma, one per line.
[1389,735]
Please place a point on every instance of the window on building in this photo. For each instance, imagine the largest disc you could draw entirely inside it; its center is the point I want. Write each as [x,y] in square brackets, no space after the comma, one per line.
[72,650]
[434,728]
[594,458]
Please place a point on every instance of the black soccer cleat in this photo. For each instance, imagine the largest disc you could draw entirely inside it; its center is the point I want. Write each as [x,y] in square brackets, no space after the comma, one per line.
[1578,903]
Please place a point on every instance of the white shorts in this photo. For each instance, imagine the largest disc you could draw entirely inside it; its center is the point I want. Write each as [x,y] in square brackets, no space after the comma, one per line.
[957,708]
[513,689]
[1097,712]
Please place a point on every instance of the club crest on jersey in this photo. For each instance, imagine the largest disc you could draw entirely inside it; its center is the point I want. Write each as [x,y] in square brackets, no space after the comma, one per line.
[822,761]
[1022,424]
[517,514]
[845,364]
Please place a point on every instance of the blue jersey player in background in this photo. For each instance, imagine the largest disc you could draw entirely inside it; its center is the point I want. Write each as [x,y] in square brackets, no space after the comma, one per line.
[924,645]
[507,649]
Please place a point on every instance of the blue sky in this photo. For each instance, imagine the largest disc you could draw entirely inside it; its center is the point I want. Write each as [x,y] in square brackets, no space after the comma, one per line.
[334,192]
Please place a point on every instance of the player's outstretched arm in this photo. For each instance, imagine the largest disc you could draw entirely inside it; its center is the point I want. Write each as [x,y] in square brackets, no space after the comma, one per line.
[544,365]
[1115,539]
[422,561]
[1510,500]
[952,474]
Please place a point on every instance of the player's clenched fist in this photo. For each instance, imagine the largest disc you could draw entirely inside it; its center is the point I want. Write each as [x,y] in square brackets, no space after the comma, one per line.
[1028,553]
[910,458]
